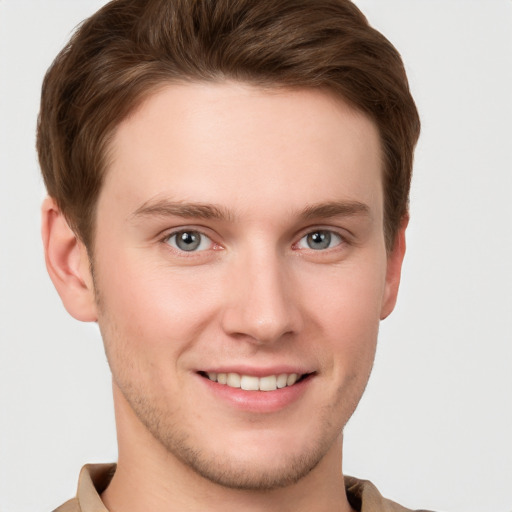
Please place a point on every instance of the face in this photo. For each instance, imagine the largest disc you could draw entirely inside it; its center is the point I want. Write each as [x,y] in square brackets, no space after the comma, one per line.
[241,273]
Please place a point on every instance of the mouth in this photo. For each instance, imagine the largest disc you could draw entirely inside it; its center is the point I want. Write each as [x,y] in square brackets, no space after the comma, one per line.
[254,383]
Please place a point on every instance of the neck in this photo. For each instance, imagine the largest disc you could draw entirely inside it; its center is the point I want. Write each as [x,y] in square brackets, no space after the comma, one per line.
[148,477]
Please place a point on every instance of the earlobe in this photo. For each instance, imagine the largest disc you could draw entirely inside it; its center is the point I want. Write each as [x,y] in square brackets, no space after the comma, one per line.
[394,271]
[67,263]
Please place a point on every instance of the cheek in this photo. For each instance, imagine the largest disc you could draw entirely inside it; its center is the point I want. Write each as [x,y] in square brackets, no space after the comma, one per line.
[350,294]
[346,312]
[153,311]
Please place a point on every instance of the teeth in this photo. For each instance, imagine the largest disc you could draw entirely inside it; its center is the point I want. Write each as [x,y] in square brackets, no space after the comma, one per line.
[249,383]
[268,383]
[233,380]
[292,379]
[252,383]
[282,380]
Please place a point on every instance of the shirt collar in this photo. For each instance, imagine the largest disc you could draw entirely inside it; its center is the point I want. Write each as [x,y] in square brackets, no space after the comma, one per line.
[362,495]
[93,480]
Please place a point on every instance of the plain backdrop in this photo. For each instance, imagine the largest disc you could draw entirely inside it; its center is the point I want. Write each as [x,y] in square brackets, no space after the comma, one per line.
[434,428]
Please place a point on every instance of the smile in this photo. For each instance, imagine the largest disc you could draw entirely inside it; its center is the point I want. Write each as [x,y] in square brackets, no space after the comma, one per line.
[253,383]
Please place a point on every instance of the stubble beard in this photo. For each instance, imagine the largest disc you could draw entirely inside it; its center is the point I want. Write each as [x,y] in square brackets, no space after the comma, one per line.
[220,469]
[225,469]
[166,429]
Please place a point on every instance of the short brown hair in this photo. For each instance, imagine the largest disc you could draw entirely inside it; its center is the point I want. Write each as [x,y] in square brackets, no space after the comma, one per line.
[118,56]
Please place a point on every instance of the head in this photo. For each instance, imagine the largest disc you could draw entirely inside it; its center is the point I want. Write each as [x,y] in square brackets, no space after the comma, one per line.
[237,174]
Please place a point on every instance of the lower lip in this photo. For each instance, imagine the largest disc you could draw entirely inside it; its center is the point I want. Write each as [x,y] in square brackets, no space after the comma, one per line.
[258,401]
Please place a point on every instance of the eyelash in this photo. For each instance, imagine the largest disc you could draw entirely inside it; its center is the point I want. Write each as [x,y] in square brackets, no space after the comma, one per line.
[331,234]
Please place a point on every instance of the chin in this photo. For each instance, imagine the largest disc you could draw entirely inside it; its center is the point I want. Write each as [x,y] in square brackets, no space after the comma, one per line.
[254,459]
[243,472]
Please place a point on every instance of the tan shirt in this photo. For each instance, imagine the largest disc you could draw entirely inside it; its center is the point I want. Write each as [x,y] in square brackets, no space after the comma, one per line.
[94,479]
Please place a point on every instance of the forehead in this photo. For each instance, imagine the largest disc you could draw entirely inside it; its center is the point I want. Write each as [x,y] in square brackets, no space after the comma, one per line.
[232,142]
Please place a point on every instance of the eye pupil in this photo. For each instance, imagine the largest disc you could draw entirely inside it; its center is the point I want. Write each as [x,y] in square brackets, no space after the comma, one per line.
[319,240]
[188,240]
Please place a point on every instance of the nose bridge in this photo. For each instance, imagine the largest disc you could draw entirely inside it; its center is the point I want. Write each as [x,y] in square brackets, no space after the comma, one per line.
[261,303]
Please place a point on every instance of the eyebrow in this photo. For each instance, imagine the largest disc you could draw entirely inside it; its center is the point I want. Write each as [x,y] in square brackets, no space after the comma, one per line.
[334,209]
[167,208]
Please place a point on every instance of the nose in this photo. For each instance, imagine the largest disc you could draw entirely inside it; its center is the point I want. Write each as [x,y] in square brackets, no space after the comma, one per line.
[261,300]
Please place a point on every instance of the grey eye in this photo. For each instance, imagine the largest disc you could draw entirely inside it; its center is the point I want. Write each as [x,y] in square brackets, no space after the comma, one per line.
[320,240]
[189,241]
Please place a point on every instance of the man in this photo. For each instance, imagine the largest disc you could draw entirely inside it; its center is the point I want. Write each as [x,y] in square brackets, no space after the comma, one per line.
[228,187]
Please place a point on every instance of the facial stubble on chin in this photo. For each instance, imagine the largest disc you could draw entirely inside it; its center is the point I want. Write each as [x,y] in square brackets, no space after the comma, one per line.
[166,429]
[173,436]
[219,469]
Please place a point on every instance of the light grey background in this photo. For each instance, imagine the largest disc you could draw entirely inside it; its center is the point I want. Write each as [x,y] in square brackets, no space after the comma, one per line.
[434,428]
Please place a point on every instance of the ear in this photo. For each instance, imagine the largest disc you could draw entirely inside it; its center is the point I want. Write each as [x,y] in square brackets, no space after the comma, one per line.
[394,271]
[67,263]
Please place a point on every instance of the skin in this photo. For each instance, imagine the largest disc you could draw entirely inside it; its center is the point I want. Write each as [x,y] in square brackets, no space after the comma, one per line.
[267,168]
